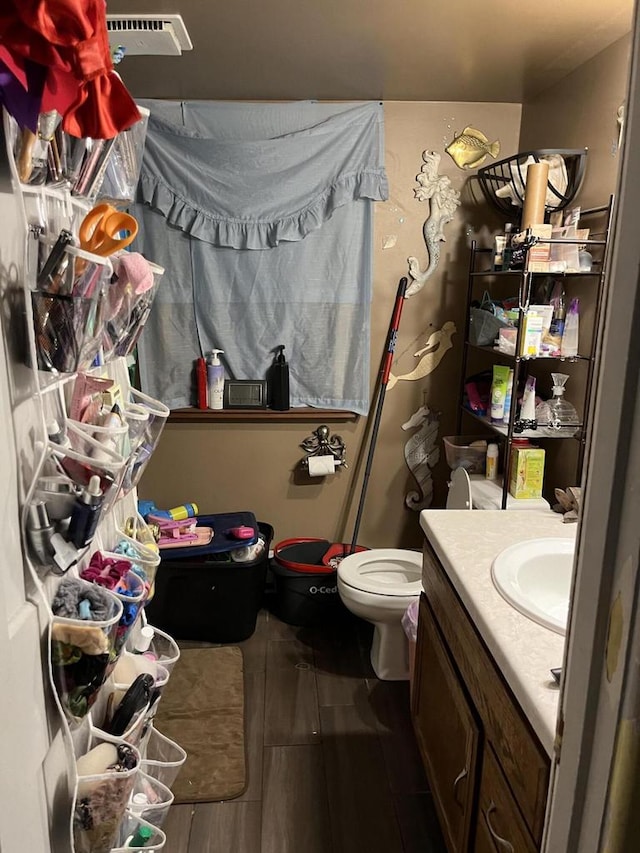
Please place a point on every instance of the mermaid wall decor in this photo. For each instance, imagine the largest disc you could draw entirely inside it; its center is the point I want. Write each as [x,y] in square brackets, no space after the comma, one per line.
[443,201]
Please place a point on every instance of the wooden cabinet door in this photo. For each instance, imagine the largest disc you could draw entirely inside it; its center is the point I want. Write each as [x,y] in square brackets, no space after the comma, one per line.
[500,827]
[447,733]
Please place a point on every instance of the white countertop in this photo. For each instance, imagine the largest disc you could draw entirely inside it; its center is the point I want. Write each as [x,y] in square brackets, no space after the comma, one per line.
[467,542]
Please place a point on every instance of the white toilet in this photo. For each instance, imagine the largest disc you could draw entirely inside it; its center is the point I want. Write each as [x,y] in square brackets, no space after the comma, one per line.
[378,586]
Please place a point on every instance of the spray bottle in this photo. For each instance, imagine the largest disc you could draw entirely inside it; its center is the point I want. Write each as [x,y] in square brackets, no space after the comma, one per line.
[215,379]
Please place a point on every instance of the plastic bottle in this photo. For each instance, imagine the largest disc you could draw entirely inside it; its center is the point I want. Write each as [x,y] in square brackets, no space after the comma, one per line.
[508,397]
[569,346]
[40,530]
[278,382]
[491,470]
[86,514]
[507,250]
[585,261]
[556,329]
[215,380]
[144,640]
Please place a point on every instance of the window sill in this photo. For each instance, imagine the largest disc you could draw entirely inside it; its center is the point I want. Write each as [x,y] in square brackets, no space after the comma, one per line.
[298,415]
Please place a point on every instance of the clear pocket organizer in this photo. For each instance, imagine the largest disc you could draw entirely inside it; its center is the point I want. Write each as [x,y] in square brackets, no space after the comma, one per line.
[127,312]
[127,670]
[101,797]
[140,455]
[134,831]
[163,648]
[69,311]
[82,645]
[123,169]
[161,757]
[131,600]
[150,799]
[84,457]
[115,438]
[144,561]
[137,418]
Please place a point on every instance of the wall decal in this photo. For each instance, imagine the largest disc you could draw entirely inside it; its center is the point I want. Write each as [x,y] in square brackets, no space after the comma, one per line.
[389,241]
[430,355]
[422,453]
[471,148]
[443,199]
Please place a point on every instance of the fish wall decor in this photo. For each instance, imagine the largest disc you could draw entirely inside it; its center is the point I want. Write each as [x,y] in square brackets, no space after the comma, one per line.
[443,201]
[431,354]
[471,148]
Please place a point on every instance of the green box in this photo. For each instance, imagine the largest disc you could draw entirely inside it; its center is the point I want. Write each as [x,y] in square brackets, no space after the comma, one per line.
[526,472]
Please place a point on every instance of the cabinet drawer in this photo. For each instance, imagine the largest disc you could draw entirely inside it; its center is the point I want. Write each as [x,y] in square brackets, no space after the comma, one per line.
[524,762]
[447,734]
[500,828]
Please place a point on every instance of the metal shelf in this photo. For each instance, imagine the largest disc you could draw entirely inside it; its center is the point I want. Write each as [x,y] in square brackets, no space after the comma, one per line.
[495,351]
[525,281]
[541,434]
[485,273]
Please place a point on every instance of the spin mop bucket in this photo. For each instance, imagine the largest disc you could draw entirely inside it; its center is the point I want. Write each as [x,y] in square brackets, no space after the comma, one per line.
[306,581]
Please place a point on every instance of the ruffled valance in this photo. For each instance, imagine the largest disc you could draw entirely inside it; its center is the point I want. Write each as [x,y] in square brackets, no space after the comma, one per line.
[256,194]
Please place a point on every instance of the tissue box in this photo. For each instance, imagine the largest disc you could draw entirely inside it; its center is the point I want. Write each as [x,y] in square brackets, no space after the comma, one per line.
[526,472]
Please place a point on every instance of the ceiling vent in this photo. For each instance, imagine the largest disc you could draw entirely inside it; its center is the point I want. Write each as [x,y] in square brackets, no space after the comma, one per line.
[148,35]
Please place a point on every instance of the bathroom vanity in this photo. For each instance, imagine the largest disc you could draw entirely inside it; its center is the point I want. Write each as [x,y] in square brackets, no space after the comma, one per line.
[484,703]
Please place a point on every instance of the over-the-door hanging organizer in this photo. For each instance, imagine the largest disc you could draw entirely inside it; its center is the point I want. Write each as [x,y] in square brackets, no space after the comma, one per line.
[92,557]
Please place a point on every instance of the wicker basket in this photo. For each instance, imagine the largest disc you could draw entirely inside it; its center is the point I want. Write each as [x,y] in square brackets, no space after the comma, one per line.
[503,172]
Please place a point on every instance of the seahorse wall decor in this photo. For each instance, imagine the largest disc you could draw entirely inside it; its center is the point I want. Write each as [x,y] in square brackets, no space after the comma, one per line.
[422,453]
[444,200]
[431,354]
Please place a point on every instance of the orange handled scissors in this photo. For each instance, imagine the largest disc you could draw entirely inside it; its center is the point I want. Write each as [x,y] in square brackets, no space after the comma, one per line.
[101,229]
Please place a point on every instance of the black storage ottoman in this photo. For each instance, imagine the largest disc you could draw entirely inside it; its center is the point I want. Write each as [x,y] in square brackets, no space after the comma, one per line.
[210,598]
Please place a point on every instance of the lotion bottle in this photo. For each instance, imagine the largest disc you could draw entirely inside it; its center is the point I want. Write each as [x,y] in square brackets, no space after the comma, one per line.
[215,380]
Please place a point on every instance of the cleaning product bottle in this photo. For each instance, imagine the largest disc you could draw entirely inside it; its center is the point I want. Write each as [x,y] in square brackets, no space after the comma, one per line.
[278,382]
[569,346]
[215,380]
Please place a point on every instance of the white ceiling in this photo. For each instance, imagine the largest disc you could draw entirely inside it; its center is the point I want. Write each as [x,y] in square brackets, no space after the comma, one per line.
[426,50]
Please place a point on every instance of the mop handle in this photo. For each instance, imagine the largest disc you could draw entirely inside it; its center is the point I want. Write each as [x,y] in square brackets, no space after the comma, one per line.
[392,337]
[393,330]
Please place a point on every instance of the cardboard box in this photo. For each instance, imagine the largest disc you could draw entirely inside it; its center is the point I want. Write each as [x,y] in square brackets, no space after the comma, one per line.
[539,253]
[526,472]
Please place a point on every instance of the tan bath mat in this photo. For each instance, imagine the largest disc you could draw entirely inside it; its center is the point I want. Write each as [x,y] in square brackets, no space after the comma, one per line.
[202,709]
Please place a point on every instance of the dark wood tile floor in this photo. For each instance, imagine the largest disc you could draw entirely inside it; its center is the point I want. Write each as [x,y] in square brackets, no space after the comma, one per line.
[332,761]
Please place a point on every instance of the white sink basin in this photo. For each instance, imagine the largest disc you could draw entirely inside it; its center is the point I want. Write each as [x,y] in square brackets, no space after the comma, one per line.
[535,578]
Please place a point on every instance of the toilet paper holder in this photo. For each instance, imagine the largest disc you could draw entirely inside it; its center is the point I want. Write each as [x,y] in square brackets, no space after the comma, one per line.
[322,443]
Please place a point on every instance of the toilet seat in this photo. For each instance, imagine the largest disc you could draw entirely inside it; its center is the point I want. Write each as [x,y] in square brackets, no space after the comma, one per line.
[383,571]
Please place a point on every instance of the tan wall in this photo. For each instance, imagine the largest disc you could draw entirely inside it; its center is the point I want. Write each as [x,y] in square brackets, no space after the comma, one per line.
[232,466]
[581,111]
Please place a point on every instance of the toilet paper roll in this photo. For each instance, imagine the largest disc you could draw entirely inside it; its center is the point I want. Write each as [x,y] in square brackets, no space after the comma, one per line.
[535,194]
[320,466]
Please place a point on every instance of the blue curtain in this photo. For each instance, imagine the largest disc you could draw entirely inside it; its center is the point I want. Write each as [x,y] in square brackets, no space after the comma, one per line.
[261,215]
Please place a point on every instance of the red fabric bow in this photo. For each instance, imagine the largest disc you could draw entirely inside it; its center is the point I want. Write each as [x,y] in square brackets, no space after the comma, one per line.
[69,37]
